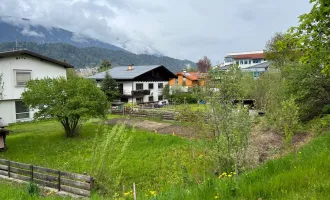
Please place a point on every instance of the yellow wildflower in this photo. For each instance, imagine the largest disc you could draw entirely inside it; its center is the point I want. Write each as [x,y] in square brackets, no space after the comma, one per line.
[153,193]
[229,175]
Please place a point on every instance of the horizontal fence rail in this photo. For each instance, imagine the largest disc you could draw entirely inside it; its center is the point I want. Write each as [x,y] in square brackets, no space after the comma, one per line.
[148,114]
[77,184]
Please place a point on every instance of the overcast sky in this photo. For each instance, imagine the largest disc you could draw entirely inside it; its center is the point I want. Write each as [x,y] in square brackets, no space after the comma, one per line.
[178,28]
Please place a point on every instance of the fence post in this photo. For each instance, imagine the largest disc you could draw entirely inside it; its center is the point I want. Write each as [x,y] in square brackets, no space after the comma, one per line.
[8,168]
[59,180]
[134,191]
[31,168]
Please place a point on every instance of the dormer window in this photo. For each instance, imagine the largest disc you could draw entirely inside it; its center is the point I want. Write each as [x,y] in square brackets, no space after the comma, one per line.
[22,77]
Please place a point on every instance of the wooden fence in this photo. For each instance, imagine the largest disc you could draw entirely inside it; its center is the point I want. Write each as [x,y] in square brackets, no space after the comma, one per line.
[62,181]
[150,114]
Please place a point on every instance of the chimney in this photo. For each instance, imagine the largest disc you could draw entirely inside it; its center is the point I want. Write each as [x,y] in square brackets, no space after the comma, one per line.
[130,67]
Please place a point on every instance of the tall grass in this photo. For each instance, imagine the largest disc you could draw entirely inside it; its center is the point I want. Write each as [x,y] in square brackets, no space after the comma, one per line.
[305,176]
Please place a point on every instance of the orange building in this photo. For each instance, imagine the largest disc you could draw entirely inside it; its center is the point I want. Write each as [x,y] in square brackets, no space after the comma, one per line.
[188,79]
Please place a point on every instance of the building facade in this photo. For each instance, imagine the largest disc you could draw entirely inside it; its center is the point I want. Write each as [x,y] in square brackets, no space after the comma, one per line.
[139,84]
[244,59]
[18,67]
[188,79]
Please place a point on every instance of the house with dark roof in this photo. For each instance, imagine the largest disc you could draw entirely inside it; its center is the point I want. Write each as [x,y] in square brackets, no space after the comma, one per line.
[17,68]
[139,84]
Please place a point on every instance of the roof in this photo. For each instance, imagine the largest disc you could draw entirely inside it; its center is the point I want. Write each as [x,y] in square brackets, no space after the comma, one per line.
[226,67]
[232,55]
[122,72]
[36,55]
[250,56]
[260,65]
[194,76]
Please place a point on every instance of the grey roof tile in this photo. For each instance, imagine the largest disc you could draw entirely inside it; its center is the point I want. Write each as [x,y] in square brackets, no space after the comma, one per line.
[122,72]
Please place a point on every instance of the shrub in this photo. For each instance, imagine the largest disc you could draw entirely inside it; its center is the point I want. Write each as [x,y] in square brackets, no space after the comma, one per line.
[33,189]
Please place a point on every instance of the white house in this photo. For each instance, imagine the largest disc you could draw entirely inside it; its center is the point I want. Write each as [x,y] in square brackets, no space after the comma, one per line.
[18,67]
[244,59]
[139,84]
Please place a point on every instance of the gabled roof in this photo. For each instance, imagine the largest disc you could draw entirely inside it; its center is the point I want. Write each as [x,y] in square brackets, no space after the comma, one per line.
[122,72]
[36,55]
[194,76]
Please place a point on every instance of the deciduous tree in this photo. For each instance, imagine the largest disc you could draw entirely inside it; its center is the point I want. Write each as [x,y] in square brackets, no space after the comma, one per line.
[313,36]
[69,101]
[204,64]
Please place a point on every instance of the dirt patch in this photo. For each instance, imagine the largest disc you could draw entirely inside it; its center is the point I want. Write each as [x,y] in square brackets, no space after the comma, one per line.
[266,145]
[159,127]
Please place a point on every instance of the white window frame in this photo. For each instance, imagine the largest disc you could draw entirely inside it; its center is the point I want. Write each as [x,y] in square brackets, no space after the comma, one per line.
[21,71]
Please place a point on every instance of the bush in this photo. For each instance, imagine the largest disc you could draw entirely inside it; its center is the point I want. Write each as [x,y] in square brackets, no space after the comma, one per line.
[33,189]
[181,98]
[326,110]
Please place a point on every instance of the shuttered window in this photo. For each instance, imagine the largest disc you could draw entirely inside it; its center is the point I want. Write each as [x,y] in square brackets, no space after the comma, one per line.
[22,77]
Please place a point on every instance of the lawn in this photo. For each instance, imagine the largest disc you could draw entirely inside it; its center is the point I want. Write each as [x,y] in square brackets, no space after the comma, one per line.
[152,161]
[193,107]
[15,191]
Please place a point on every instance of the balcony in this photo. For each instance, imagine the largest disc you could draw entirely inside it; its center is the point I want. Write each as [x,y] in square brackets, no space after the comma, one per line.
[140,92]
[130,93]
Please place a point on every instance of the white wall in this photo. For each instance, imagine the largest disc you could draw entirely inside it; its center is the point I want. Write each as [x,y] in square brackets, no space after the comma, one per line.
[155,92]
[39,69]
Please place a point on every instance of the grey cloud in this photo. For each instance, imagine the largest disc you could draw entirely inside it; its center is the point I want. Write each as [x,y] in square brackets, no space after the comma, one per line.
[28,32]
[177,28]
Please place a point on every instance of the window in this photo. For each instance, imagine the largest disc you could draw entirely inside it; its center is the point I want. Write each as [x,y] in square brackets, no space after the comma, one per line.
[139,86]
[245,62]
[22,77]
[184,81]
[176,81]
[160,85]
[160,97]
[228,60]
[151,98]
[22,112]
[139,100]
[151,86]
[241,62]
[256,61]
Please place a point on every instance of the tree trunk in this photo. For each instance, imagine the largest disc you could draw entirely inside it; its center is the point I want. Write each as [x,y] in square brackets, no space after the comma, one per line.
[70,126]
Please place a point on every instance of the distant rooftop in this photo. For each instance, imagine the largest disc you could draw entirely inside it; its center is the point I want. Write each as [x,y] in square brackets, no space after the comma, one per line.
[36,55]
[123,73]
[244,53]
[192,75]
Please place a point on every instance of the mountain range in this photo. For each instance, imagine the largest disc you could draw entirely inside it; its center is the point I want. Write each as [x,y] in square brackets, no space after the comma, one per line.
[78,50]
